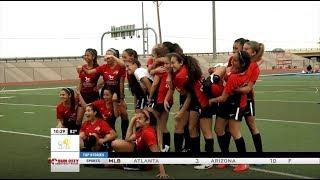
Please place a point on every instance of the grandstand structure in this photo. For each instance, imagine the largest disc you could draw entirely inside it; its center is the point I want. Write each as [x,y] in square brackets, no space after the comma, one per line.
[64,68]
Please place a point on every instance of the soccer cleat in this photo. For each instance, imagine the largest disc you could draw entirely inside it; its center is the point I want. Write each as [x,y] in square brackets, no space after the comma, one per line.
[241,167]
[203,166]
[166,148]
[222,166]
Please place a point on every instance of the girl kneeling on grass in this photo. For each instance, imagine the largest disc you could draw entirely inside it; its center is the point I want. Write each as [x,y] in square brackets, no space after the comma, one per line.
[141,137]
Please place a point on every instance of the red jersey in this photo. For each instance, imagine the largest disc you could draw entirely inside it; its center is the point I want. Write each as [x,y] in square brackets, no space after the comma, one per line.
[107,113]
[64,113]
[112,76]
[236,81]
[180,78]
[253,73]
[88,81]
[150,62]
[202,98]
[145,138]
[99,126]
[217,89]
[163,88]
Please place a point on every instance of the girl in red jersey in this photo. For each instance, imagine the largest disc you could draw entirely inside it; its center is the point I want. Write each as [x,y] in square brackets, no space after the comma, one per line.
[66,109]
[237,46]
[156,66]
[175,48]
[113,73]
[200,99]
[141,137]
[161,84]
[179,76]
[231,104]
[255,50]
[107,106]
[88,82]
[95,133]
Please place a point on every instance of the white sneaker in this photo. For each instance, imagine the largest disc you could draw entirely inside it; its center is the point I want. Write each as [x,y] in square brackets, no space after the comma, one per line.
[203,166]
[131,167]
[165,149]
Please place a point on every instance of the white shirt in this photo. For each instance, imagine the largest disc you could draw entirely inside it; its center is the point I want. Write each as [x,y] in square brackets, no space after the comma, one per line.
[140,73]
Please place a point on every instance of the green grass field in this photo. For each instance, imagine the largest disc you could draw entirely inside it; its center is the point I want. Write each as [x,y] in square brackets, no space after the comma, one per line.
[287,112]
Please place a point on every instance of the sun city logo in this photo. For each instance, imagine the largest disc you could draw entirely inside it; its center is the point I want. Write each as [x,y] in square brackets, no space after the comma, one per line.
[55,161]
[64,144]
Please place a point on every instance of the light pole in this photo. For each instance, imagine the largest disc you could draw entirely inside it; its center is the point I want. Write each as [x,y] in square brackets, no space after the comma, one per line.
[159,27]
[143,30]
[214,52]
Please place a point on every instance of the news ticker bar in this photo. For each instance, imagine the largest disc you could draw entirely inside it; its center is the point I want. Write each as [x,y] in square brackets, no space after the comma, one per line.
[215,155]
[104,158]
[207,161]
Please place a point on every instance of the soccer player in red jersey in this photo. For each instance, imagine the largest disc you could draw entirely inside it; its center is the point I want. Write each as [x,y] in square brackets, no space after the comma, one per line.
[179,76]
[156,66]
[161,84]
[88,82]
[95,133]
[66,109]
[141,137]
[237,46]
[255,50]
[232,105]
[107,106]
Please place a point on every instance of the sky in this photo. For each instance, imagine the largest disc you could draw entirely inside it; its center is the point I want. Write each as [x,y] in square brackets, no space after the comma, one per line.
[67,28]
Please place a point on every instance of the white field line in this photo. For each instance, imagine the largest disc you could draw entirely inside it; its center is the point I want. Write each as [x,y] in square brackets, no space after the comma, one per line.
[281,173]
[27,134]
[312,102]
[7,97]
[34,105]
[33,89]
[28,112]
[259,119]
[278,120]
[284,85]
[29,94]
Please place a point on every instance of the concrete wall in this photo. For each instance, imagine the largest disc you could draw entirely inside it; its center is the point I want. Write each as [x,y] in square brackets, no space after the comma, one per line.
[65,68]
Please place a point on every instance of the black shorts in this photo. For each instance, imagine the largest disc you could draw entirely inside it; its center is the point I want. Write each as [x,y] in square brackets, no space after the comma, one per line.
[206,112]
[250,109]
[141,103]
[160,108]
[194,105]
[182,99]
[90,97]
[214,108]
[230,111]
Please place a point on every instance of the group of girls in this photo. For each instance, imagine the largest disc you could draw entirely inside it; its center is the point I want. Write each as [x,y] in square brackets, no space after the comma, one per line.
[226,93]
